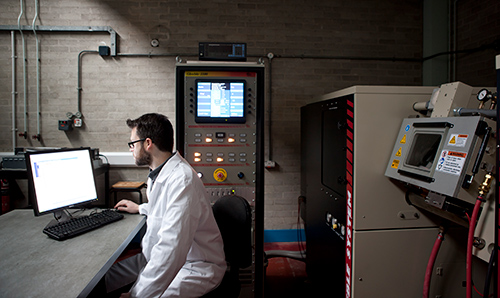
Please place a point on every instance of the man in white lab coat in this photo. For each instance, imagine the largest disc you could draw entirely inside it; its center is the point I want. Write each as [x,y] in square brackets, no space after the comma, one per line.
[182,250]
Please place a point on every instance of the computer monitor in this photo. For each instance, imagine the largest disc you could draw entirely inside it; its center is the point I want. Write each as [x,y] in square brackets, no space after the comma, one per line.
[220,101]
[60,179]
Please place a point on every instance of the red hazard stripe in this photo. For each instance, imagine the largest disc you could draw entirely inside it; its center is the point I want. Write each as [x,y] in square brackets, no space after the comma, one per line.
[350,135]
[348,167]
[349,145]
[351,125]
[348,155]
[348,177]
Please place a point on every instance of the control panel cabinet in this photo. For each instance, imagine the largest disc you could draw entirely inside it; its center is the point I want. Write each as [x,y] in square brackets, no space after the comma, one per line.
[219,124]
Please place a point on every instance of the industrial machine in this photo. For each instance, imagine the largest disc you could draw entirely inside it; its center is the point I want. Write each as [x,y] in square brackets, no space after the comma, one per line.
[219,131]
[364,233]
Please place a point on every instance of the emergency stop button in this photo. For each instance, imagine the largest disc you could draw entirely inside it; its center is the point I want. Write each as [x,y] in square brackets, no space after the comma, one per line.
[220,175]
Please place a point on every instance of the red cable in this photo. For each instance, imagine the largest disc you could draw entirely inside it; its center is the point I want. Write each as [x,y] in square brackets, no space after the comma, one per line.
[470,241]
[430,264]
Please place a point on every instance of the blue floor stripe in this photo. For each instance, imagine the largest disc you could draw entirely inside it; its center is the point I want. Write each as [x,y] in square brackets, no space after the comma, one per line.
[290,235]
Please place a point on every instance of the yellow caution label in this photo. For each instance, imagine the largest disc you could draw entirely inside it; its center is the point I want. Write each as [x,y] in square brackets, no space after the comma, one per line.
[403,140]
[220,175]
[453,140]
[395,164]
[398,154]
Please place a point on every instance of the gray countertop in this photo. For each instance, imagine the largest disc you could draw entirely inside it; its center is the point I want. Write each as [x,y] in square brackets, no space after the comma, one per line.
[34,265]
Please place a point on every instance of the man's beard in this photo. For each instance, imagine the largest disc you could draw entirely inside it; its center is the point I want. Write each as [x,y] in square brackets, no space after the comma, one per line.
[143,158]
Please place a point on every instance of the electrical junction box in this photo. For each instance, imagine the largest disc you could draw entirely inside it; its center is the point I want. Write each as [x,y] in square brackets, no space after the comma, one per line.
[78,122]
[104,50]
[65,125]
[222,51]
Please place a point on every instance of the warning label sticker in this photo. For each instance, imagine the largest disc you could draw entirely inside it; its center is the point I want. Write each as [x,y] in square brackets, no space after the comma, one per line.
[451,162]
[395,164]
[458,140]
[398,154]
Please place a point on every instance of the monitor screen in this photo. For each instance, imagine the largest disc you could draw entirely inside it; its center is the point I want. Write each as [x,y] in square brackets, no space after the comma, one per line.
[220,101]
[60,179]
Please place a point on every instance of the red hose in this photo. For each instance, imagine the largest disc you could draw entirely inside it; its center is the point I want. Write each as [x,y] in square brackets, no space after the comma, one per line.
[470,241]
[430,264]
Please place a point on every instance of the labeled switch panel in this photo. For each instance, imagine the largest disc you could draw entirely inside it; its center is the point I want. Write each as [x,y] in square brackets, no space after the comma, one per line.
[220,127]
[65,125]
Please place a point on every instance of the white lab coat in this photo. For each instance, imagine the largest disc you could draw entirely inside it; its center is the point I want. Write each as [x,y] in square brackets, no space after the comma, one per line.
[182,245]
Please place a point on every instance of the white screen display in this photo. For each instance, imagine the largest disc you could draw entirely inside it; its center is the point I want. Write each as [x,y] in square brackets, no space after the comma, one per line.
[62,179]
[220,100]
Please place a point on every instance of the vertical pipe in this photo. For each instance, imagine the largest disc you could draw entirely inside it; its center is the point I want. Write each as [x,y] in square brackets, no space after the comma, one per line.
[270,111]
[14,130]
[37,136]
[454,44]
[25,133]
[79,84]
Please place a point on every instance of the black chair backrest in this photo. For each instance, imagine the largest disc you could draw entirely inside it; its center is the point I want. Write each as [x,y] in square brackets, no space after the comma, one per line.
[234,218]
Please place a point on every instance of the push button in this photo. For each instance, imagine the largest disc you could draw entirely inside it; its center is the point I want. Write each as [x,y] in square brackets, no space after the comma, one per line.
[220,175]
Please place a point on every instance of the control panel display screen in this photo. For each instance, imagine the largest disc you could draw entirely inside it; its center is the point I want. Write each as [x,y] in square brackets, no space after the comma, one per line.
[220,101]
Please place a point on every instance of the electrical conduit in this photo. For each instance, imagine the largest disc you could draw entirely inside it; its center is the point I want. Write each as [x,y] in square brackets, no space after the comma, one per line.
[25,133]
[14,130]
[37,136]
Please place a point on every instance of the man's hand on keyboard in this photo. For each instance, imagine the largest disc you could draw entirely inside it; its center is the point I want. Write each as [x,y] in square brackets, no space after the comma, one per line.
[127,206]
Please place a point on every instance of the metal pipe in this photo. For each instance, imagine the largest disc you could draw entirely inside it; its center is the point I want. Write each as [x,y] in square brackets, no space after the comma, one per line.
[40,28]
[454,43]
[37,136]
[392,59]
[474,112]
[421,106]
[79,84]
[25,133]
[270,111]
[14,92]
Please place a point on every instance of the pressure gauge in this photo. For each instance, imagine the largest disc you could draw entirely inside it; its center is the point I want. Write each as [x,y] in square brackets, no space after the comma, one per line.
[483,95]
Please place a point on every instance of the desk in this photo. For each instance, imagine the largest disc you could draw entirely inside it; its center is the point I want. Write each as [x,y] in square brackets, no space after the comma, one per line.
[33,265]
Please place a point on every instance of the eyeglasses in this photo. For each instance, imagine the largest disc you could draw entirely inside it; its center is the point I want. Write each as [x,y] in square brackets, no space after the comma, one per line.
[131,144]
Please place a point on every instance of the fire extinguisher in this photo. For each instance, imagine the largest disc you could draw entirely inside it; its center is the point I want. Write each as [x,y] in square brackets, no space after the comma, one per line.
[4,190]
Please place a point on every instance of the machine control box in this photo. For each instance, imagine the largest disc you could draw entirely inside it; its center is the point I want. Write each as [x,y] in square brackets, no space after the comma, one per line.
[434,153]
[220,126]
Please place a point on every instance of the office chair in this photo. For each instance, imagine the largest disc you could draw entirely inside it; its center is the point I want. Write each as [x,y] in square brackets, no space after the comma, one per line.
[234,218]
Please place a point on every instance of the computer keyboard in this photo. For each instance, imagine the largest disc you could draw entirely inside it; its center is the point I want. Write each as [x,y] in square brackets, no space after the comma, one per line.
[82,224]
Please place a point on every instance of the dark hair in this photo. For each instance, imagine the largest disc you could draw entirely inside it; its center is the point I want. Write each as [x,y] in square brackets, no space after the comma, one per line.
[157,127]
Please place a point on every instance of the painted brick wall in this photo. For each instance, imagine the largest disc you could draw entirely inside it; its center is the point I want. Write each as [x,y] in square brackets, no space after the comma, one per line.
[478,33]
[114,89]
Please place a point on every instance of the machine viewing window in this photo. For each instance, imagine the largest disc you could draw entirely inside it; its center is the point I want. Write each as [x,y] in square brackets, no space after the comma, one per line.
[220,101]
[60,179]
[423,150]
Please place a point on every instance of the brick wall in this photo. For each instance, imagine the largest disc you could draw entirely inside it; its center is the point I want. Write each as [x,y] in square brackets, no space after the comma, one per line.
[478,33]
[312,42]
